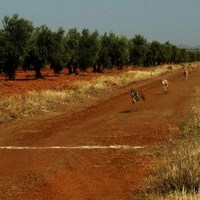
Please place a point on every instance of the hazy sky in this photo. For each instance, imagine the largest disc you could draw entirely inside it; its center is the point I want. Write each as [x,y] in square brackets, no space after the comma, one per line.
[177,21]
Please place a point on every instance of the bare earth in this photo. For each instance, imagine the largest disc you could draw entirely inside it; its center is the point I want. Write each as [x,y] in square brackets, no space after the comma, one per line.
[93,173]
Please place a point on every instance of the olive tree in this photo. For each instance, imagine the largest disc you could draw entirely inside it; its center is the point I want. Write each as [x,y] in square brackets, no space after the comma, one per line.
[156,53]
[89,46]
[39,50]
[113,50]
[71,45]
[122,51]
[2,50]
[56,50]
[16,34]
[47,47]
[105,50]
[139,49]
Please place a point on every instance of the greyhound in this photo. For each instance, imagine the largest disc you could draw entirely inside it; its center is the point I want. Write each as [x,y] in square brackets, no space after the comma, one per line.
[186,74]
[136,96]
[165,84]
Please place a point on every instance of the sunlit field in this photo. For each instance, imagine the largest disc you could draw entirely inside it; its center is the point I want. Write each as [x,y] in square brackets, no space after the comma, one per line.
[35,102]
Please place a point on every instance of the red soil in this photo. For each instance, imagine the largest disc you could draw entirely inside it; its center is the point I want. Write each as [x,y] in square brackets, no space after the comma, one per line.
[25,80]
[90,174]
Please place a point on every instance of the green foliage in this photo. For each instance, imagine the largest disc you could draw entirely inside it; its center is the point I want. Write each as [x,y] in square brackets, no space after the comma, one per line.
[105,50]
[114,51]
[43,43]
[122,51]
[139,49]
[46,47]
[2,47]
[16,34]
[88,48]
[72,41]
[23,44]
[71,46]
[56,50]
[167,53]
[39,50]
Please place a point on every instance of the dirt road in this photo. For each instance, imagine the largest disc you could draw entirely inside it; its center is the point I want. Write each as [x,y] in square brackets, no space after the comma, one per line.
[80,154]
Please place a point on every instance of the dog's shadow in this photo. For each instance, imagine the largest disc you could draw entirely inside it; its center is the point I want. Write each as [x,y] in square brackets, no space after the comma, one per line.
[160,94]
[125,111]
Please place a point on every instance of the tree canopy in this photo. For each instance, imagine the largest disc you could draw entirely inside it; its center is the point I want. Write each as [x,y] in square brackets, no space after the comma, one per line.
[23,44]
[15,39]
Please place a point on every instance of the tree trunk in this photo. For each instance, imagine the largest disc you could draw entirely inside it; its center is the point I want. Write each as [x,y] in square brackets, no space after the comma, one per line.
[37,69]
[72,69]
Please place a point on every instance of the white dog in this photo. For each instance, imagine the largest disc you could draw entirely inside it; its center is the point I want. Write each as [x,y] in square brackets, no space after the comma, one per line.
[165,84]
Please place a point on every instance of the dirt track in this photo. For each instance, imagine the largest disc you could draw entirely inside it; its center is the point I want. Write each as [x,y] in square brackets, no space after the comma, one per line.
[92,174]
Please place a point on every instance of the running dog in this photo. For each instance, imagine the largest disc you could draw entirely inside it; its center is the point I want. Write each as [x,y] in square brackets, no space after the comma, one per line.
[165,84]
[186,74]
[136,96]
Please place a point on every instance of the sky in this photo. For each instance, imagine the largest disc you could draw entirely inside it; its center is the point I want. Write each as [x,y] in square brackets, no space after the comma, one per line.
[176,21]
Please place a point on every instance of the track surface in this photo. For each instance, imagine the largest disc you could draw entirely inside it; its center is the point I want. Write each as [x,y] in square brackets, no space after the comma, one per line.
[51,168]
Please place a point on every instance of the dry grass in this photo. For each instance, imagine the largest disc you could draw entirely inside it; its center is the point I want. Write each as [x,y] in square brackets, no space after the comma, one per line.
[177,174]
[35,102]
[192,125]
[178,195]
[50,100]
[178,170]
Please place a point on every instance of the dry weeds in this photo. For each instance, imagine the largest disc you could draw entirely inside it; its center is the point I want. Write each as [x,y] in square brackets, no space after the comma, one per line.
[177,174]
[35,102]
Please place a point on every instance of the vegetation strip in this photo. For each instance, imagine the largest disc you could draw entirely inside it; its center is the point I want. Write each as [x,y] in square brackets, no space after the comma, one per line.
[176,175]
[73,147]
[22,44]
[36,102]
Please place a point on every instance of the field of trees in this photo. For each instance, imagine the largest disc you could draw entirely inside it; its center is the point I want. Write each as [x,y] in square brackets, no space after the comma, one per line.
[23,44]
